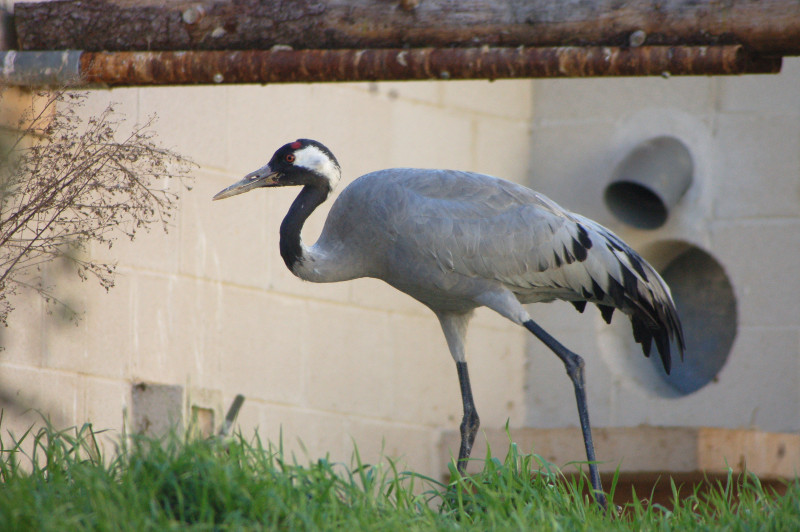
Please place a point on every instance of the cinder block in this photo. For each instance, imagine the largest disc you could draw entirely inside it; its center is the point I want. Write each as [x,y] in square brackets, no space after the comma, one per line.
[377,295]
[175,330]
[549,394]
[424,373]
[16,105]
[571,164]
[503,149]
[23,389]
[168,346]
[497,364]
[153,248]
[105,405]
[124,103]
[609,99]
[762,368]
[349,361]
[759,162]
[22,339]
[578,176]
[647,452]
[156,409]
[109,354]
[755,258]
[253,110]
[196,350]
[65,335]
[191,120]
[304,435]
[204,410]
[411,447]
[426,378]
[61,397]
[71,345]
[508,98]
[428,92]
[299,108]
[227,240]
[775,95]
[752,390]
[430,137]
[355,130]
[262,341]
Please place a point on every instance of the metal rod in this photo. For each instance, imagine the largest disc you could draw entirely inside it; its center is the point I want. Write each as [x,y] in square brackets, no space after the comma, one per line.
[36,69]
[230,417]
[114,69]
[286,66]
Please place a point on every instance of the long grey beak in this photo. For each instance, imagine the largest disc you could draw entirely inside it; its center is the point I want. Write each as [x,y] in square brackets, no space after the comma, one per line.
[263,177]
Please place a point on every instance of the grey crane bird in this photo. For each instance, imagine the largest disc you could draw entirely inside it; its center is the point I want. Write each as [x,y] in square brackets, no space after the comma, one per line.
[455,241]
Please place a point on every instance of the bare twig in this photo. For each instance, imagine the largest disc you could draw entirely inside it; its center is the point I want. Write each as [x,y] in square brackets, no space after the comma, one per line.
[68,183]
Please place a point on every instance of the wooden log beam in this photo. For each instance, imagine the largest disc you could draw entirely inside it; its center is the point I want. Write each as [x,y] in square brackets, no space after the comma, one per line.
[769,27]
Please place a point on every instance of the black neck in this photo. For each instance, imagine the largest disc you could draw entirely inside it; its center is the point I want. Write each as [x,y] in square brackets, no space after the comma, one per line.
[309,199]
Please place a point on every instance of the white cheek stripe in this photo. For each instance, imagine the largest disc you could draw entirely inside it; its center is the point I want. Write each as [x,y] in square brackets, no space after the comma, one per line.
[315,159]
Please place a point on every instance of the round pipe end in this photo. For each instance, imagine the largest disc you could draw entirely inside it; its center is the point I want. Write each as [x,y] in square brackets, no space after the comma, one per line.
[649,182]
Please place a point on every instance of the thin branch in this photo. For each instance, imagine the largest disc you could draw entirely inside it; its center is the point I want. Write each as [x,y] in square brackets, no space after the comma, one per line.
[74,186]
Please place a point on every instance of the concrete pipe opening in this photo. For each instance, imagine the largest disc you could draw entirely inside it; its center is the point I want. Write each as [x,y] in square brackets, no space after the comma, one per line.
[706,304]
[649,182]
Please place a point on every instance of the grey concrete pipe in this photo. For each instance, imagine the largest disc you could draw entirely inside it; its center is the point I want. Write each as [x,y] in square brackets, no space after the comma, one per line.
[649,182]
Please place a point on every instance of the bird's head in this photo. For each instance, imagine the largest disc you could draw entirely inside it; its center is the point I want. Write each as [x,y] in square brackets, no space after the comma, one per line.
[303,162]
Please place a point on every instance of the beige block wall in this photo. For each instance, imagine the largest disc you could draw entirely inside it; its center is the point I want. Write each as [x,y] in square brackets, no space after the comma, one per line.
[743,208]
[211,307]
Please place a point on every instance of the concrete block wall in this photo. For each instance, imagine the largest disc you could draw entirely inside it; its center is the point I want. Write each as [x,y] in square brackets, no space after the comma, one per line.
[210,306]
[743,209]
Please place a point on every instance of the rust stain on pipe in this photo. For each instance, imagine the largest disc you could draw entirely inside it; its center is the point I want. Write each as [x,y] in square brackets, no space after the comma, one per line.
[288,66]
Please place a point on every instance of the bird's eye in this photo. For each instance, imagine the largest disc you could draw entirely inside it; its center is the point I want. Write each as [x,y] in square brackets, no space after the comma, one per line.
[290,158]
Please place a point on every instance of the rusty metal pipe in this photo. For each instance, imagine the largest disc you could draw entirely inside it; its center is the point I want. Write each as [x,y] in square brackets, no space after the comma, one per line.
[114,69]
[286,66]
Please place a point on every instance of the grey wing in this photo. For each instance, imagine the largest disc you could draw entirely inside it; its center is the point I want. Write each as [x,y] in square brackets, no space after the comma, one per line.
[478,226]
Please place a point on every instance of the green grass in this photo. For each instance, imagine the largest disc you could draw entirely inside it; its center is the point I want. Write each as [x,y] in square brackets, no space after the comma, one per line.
[62,482]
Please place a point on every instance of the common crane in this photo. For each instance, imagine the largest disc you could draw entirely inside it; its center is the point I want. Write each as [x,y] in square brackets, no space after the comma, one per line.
[455,241]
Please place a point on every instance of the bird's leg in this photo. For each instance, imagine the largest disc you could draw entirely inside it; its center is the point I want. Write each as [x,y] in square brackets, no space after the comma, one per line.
[575,367]
[470,422]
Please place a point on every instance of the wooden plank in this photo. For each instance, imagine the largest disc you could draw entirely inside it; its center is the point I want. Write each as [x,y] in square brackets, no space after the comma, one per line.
[767,454]
[646,450]
[765,26]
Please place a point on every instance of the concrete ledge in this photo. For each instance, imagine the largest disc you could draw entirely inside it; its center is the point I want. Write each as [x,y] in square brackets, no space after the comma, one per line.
[648,456]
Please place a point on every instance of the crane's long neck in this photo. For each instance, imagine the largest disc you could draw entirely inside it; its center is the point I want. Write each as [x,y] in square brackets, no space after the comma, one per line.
[292,249]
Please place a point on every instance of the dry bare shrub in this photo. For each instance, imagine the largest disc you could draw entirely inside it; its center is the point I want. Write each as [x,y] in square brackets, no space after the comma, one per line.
[67,183]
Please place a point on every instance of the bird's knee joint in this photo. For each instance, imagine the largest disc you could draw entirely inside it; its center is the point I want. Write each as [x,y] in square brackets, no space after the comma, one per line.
[575,367]
[470,423]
